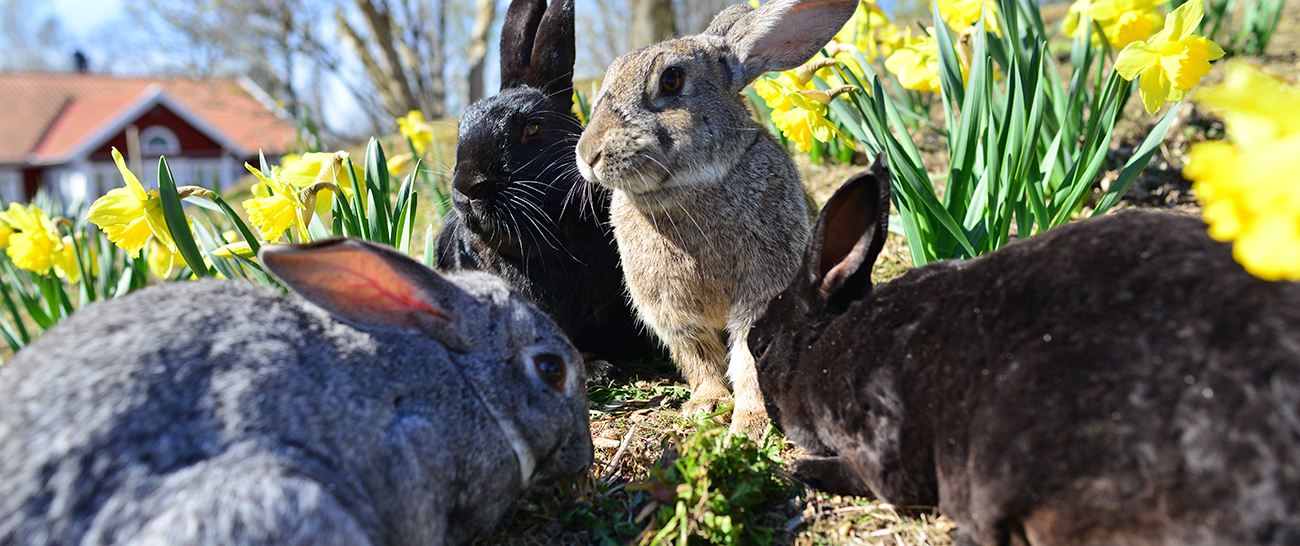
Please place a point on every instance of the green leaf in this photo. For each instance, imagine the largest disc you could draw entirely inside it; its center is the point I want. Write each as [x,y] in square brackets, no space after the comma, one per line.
[358,205]
[177,223]
[1138,162]
[408,225]
[430,260]
[206,238]
[950,80]
[22,335]
[316,229]
[377,185]
[240,226]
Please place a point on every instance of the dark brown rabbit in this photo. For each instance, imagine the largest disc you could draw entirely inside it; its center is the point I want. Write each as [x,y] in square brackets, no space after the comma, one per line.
[1115,381]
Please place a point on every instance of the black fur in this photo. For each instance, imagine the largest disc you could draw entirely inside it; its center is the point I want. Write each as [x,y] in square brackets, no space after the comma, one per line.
[1114,381]
[521,210]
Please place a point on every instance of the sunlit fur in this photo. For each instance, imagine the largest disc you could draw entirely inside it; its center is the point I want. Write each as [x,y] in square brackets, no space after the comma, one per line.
[708,208]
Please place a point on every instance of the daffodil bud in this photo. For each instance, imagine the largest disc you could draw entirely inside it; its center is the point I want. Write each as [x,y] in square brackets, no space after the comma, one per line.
[194,191]
[825,97]
[308,195]
[805,73]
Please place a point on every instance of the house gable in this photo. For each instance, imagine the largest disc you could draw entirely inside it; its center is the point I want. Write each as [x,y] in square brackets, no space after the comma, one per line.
[192,141]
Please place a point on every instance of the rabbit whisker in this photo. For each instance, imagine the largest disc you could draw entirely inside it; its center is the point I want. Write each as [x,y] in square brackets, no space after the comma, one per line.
[703,235]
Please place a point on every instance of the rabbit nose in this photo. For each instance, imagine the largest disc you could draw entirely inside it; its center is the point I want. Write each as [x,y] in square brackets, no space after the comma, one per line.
[469,186]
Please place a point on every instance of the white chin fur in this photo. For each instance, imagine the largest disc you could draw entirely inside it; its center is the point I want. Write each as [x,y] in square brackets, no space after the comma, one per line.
[586,171]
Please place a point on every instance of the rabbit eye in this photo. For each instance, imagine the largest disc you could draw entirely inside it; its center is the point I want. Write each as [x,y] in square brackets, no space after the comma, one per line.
[531,130]
[761,348]
[551,369]
[670,83]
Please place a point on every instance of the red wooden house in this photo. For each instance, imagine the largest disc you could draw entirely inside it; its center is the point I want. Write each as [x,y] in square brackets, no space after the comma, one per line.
[57,130]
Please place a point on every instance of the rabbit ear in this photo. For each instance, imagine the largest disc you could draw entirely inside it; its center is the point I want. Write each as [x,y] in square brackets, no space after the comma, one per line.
[518,31]
[537,48]
[781,34]
[850,233]
[553,54]
[369,285]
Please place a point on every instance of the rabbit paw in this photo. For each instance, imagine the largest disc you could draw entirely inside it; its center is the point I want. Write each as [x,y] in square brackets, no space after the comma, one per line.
[749,422]
[830,474]
[704,401]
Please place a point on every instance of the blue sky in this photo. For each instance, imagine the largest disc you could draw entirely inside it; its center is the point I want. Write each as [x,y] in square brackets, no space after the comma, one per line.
[82,18]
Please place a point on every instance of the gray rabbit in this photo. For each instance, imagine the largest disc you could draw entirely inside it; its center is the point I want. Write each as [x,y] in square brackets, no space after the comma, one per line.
[384,404]
[708,210]
[1114,381]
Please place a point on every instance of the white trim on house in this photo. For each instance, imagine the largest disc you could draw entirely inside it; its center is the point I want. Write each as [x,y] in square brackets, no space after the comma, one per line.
[146,100]
[159,140]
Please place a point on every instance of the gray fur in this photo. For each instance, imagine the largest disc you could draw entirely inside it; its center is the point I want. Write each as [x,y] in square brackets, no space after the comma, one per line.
[1119,380]
[221,413]
[708,209]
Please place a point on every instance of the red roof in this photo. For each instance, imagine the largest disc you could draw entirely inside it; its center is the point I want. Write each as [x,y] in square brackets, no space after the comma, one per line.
[50,116]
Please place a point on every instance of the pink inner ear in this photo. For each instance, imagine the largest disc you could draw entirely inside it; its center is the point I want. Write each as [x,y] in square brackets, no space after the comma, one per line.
[357,282]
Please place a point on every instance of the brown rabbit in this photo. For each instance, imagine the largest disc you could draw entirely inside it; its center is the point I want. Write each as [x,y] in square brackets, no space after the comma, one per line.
[708,209]
[1114,381]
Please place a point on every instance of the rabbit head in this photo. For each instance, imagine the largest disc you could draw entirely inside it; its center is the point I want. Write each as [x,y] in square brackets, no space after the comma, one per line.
[514,174]
[671,114]
[521,210]
[822,288]
[1119,380]
[522,368]
[382,404]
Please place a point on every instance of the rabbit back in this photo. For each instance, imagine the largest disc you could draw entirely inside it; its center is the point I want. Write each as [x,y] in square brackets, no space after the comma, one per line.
[222,413]
[1115,380]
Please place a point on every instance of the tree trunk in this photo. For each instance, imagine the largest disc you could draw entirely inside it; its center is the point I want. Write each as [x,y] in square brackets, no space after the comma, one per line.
[402,54]
[478,46]
[652,21]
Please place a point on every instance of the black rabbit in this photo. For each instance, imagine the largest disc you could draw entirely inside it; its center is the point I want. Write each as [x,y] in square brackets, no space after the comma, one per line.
[1114,381]
[521,210]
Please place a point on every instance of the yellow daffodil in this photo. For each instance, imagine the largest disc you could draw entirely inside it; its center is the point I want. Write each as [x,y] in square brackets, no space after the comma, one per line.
[318,167]
[279,210]
[1256,108]
[916,64]
[891,38]
[800,114]
[35,244]
[162,260]
[860,31]
[842,55]
[960,14]
[415,128]
[400,165]
[5,232]
[1122,21]
[1248,187]
[1172,61]
[1252,199]
[129,216]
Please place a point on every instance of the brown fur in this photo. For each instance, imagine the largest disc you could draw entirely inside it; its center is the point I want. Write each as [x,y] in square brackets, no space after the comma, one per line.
[1115,381]
[708,209]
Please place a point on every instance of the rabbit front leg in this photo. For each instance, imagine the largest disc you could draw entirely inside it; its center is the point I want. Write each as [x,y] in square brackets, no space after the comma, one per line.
[701,355]
[749,415]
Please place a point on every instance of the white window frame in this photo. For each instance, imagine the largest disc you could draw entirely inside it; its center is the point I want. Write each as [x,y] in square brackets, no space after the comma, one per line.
[151,132]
